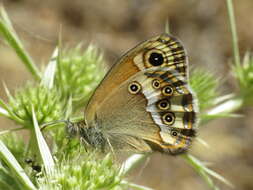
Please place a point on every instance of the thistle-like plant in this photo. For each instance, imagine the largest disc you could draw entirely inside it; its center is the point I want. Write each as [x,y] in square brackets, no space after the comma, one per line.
[57,93]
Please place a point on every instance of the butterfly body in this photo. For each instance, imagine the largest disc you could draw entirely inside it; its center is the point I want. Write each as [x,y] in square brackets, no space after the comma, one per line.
[144,103]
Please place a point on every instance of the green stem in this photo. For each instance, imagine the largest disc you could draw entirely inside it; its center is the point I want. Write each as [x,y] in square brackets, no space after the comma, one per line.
[199,168]
[233,31]
[132,162]
[224,109]
[11,37]
[12,163]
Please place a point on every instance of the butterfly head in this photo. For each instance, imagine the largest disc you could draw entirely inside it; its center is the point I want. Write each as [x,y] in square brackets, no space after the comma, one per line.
[88,135]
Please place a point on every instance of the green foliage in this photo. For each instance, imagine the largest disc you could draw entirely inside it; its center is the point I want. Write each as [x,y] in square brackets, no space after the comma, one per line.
[86,172]
[79,73]
[244,75]
[46,103]
[205,85]
[9,34]
[13,175]
[68,80]
[67,83]
[7,181]
[15,144]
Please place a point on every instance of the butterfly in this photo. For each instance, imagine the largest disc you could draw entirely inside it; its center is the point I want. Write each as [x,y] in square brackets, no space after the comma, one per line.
[144,103]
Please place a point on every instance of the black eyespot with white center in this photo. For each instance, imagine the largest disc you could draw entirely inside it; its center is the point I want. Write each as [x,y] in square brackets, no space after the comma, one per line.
[168,118]
[163,104]
[156,59]
[174,133]
[156,84]
[134,87]
[167,91]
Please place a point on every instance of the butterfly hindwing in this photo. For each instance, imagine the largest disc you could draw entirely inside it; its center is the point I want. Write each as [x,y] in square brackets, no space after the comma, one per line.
[145,102]
[170,101]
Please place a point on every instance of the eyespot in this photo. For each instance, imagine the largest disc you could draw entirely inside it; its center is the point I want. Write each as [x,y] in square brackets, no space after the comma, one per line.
[154,58]
[174,133]
[168,118]
[167,91]
[134,87]
[156,84]
[163,104]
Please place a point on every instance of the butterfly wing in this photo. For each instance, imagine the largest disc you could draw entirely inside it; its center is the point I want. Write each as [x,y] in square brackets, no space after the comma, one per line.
[136,60]
[144,102]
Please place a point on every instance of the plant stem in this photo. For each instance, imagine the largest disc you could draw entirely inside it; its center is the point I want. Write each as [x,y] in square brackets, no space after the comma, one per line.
[132,162]
[10,160]
[11,37]
[233,32]
[200,169]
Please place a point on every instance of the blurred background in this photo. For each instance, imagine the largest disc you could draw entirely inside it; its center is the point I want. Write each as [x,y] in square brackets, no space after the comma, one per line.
[118,25]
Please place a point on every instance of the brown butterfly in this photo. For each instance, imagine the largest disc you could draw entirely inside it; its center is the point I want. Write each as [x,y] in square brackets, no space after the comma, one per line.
[144,103]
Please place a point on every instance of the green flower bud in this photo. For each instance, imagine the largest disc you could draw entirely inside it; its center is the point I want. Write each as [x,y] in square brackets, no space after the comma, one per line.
[79,73]
[244,76]
[46,104]
[88,172]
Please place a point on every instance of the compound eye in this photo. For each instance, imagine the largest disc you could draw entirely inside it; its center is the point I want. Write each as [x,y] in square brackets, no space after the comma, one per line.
[167,91]
[134,87]
[156,84]
[168,118]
